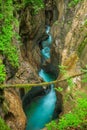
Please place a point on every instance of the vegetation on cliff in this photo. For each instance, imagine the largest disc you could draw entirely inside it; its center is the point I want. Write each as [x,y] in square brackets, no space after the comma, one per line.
[82,46]
[74,2]
[2,72]
[3,125]
[7,33]
[7,25]
[36,5]
[76,118]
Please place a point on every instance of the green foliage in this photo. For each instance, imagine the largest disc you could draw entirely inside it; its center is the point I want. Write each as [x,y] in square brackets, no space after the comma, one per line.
[76,118]
[2,72]
[3,125]
[7,33]
[56,22]
[60,89]
[85,75]
[63,70]
[36,5]
[85,22]
[74,3]
[52,126]
[82,46]
[73,119]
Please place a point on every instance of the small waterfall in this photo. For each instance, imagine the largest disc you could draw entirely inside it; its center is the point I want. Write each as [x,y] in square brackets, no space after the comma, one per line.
[46,76]
[46,53]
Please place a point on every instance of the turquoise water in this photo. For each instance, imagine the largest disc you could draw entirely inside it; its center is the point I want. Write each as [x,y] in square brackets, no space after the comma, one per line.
[48,42]
[47,29]
[46,76]
[46,52]
[41,111]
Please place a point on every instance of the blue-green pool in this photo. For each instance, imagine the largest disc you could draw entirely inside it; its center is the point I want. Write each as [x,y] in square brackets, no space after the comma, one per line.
[40,111]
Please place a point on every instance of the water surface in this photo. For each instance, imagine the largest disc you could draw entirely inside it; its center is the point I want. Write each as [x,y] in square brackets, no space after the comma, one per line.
[40,111]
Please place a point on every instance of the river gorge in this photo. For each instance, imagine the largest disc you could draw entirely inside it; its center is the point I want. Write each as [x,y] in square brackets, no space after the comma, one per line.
[41,110]
[42,41]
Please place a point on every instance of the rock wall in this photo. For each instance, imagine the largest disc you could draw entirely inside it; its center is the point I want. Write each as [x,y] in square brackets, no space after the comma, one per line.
[32,32]
[32,29]
[69,31]
[70,34]
[15,116]
[11,106]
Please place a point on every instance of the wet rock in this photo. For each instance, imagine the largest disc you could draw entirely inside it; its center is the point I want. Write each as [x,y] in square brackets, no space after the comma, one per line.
[51,69]
[69,33]
[59,105]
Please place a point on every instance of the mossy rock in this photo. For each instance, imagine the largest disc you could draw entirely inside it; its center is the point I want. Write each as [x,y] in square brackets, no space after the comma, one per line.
[81,47]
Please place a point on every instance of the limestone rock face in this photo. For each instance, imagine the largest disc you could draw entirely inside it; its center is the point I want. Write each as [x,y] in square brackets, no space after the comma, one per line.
[51,12]
[31,31]
[69,34]
[15,116]
[69,31]
[25,74]
[70,43]
[32,28]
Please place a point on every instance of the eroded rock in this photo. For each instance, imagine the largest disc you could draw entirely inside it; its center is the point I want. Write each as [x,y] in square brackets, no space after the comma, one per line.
[15,116]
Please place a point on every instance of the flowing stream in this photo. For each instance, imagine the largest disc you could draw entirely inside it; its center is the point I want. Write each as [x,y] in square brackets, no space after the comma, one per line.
[40,112]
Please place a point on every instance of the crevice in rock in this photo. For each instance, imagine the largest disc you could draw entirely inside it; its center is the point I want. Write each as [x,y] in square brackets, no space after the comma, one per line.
[51,12]
[33,34]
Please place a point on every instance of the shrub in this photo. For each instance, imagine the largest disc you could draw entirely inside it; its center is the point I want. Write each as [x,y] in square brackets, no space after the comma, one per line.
[3,125]
[73,119]
[76,118]
[7,33]
[74,2]
[2,72]
[35,4]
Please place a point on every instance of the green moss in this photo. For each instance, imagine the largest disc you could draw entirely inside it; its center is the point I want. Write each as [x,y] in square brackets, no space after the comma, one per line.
[36,5]
[85,22]
[3,125]
[7,33]
[2,72]
[81,47]
[73,3]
